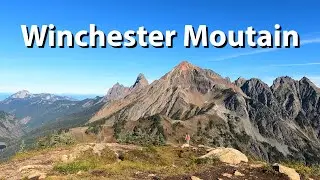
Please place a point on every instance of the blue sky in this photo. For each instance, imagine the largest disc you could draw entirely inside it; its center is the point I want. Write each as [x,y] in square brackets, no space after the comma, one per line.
[93,71]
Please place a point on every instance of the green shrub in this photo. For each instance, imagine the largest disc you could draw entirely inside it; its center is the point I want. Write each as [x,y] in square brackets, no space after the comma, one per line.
[303,169]
[94,129]
[74,167]
[142,139]
[149,134]
[55,140]
[87,161]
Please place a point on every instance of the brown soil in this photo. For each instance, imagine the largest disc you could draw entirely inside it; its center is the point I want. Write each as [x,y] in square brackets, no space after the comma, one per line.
[221,172]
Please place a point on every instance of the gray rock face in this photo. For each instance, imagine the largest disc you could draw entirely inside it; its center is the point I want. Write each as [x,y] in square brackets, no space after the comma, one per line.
[287,93]
[117,91]
[140,83]
[258,90]
[273,123]
[288,113]
[300,99]
[182,93]
[10,128]
[240,81]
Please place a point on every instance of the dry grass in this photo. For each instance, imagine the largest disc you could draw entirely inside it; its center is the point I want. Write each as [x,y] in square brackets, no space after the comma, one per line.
[167,161]
[39,151]
[29,154]
[303,170]
[87,161]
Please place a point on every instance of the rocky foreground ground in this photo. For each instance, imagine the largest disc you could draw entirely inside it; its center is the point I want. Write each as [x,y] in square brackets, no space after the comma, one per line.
[116,161]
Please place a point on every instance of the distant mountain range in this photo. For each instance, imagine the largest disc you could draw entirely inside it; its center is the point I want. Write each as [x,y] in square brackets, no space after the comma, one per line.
[4,95]
[270,122]
[37,109]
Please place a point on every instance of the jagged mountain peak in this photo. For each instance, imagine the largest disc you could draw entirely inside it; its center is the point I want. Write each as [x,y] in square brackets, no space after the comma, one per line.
[186,72]
[118,91]
[307,82]
[283,79]
[141,76]
[256,80]
[116,85]
[185,65]
[282,116]
[182,89]
[240,81]
[140,82]
[254,84]
[115,92]
[305,79]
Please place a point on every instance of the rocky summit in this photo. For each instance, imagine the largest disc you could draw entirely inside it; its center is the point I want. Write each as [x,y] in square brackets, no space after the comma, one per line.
[119,91]
[271,123]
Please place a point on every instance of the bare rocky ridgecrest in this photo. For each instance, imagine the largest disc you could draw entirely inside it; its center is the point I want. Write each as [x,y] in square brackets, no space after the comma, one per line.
[272,123]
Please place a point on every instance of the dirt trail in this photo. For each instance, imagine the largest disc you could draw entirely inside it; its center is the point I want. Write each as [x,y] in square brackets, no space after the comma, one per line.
[30,165]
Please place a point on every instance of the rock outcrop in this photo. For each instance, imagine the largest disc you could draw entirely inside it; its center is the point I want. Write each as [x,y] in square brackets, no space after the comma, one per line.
[227,155]
[140,83]
[291,173]
[10,127]
[119,91]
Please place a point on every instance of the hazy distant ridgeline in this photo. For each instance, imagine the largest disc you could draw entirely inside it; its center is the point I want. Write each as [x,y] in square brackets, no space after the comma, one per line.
[35,110]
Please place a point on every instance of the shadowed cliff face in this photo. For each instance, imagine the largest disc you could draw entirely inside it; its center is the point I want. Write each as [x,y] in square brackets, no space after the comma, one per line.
[301,99]
[287,112]
[10,128]
[277,122]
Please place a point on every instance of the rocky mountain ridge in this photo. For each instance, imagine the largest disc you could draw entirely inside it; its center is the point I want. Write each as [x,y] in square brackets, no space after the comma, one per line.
[119,91]
[277,122]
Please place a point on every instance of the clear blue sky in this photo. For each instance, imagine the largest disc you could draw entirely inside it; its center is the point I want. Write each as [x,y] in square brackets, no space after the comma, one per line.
[93,71]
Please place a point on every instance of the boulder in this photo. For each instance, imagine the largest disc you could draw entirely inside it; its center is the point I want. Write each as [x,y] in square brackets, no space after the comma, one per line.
[185,146]
[227,155]
[227,175]
[291,173]
[237,173]
[195,178]
[37,176]
[98,148]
